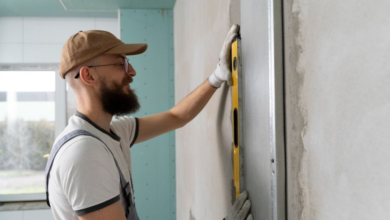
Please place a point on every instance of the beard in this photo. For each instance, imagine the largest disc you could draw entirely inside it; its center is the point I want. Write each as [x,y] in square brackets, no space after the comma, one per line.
[115,101]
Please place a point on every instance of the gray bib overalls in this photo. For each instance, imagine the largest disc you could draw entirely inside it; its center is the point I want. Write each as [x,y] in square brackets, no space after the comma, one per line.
[131,212]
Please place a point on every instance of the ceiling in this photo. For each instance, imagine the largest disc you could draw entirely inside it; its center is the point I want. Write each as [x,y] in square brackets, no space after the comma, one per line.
[76,8]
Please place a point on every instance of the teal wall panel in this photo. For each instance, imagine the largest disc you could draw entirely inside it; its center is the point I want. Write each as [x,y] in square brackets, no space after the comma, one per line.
[153,161]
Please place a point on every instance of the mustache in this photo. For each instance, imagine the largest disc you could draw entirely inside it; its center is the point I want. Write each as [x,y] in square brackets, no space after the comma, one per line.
[127,81]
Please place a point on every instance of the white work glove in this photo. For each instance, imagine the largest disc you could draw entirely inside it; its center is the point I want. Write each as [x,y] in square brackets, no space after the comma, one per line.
[240,209]
[223,71]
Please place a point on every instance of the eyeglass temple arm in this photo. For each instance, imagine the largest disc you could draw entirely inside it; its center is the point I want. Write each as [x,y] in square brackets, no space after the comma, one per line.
[115,64]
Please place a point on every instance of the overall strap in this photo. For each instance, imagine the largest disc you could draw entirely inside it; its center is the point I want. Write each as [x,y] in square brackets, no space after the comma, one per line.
[65,139]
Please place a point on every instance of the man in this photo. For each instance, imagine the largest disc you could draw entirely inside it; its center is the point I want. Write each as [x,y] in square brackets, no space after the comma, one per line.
[88,175]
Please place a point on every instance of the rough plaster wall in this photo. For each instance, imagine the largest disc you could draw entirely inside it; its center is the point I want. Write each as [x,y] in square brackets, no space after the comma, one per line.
[204,169]
[337,76]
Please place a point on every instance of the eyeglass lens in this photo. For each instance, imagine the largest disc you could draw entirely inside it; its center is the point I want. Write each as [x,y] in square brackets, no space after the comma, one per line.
[126,65]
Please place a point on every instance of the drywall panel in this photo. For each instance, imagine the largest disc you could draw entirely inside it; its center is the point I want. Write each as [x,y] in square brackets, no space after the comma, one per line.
[337,74]
[204,146]
[153,161]
[262,110]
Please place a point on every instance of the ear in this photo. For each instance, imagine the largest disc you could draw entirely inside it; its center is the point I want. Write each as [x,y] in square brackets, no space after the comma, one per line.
[87,77]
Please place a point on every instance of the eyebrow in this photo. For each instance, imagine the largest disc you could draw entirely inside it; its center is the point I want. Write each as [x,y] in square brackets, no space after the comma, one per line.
[123,57]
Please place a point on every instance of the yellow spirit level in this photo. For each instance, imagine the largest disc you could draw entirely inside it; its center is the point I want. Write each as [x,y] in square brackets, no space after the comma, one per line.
[236,102]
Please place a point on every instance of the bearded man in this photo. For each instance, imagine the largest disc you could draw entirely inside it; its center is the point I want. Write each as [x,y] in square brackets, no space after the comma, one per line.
[88,174]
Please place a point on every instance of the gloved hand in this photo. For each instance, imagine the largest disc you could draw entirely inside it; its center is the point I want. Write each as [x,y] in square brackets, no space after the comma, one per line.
[240,208]
[223,71]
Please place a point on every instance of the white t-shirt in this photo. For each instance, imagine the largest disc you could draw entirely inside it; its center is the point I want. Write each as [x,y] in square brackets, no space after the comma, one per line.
[84,177]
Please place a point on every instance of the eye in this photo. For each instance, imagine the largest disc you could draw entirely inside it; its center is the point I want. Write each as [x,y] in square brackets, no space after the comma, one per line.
[119,66]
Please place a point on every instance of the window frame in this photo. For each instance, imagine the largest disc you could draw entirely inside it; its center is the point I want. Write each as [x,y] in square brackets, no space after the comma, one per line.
[60,117]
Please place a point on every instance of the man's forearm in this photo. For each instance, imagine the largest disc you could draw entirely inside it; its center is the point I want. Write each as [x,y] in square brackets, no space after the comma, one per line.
[192,104]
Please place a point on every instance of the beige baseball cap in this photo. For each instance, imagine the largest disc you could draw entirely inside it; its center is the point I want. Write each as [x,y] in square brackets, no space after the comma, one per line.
[86,45]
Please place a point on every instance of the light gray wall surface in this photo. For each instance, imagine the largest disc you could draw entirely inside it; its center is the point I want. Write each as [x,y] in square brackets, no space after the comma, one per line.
[262,109]
[204,168]
[204,147]
[337,108]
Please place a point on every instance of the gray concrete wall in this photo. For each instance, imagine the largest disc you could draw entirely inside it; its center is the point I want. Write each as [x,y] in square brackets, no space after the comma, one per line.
[204,169]
[337,75]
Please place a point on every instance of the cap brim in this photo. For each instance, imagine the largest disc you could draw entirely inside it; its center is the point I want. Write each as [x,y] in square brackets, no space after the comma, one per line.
[128,49]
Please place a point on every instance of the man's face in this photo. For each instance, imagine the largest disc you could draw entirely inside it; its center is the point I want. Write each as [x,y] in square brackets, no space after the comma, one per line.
[115,93]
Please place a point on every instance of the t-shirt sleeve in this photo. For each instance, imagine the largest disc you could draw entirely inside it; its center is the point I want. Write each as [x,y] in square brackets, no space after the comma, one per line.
[127,127]
[89,176]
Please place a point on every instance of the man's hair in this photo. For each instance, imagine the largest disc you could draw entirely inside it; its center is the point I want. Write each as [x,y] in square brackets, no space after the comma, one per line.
[69,76]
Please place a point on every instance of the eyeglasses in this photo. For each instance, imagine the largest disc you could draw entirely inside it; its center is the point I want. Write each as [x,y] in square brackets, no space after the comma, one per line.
[125,64]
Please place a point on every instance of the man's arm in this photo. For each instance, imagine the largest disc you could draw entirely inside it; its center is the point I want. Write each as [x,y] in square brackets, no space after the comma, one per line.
[157,124]
[182,113]
[113,211]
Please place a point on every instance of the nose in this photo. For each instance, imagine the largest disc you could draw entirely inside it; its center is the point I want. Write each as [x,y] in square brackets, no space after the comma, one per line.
[131,72]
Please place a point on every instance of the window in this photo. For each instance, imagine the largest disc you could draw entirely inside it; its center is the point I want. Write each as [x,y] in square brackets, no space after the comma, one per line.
[32,113]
